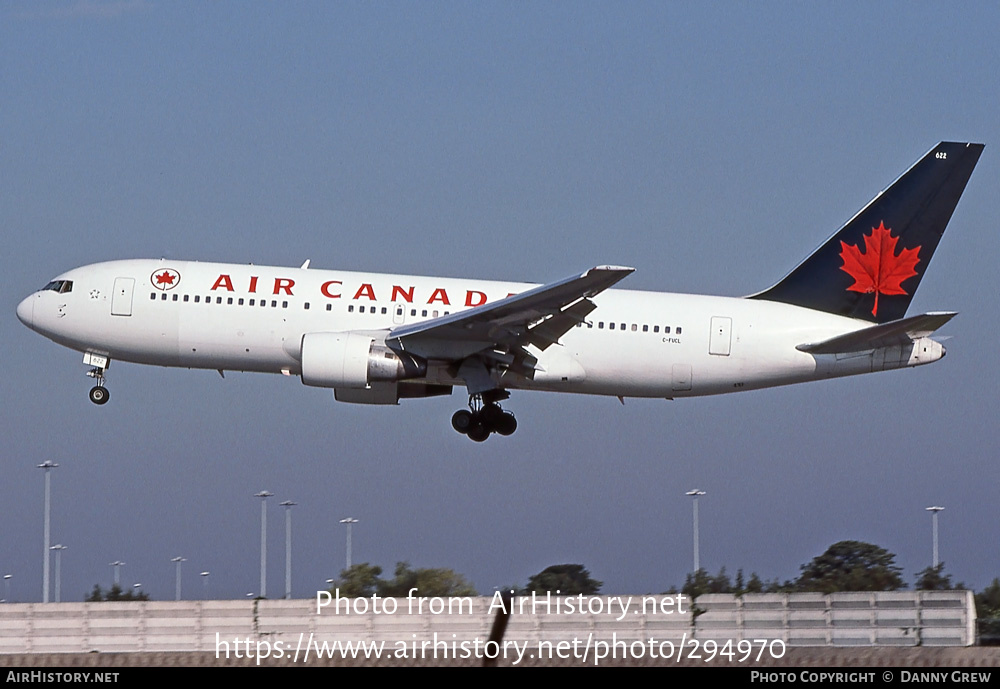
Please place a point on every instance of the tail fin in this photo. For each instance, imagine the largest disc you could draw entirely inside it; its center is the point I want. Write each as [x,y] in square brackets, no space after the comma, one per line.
[872,266]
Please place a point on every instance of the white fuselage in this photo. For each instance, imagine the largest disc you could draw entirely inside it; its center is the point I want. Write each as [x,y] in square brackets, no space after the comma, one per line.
[253,318]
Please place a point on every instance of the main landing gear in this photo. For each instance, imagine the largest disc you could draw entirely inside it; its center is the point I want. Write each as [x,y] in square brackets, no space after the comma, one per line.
[484,417]
[98,394]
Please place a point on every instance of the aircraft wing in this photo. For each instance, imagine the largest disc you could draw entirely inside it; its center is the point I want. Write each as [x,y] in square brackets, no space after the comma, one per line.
[903,331]
[500,330]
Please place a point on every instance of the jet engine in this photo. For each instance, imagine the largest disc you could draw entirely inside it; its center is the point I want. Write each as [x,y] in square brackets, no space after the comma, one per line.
[353,360]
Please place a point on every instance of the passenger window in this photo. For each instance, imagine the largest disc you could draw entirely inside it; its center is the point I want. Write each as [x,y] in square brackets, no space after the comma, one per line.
[307,306]
[413,312]
[329,307]
[164,297]
[666,329]
[230,302]
[175,297]
[284,304]
[435,314]
[678,330]
[350,308]
[253,302]
[152,295]
[656,328]
[240,302]
[186,297]
[634,327]
[361,309]
[384,310]
[197,299]
[274,303]
[645,328]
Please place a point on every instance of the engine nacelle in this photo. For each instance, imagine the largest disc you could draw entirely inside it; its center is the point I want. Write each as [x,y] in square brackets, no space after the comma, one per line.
[351,360]
[389,393]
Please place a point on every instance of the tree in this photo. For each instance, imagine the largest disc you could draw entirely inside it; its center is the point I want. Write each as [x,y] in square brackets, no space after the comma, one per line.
[988,600]
[568,580]
[755,585]
[115,593]
[775,586]
[363,580]
[851,566]
[702,582]
[988,612]
[427,581]
[933,579]
[360,581]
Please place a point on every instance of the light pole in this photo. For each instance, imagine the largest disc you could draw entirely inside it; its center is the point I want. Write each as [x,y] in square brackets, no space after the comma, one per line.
[58,547]
[349,521]
[934,529]
[6,587]
[204,579]
[117,564]
[695,493]
[178,560]
[263,495]
[288,505]
[46,465]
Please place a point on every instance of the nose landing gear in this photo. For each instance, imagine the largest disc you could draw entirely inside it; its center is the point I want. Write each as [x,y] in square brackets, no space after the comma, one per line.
[484,417]
[98,394]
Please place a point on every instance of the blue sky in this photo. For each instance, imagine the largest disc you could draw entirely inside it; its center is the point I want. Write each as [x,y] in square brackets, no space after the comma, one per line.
[710,145]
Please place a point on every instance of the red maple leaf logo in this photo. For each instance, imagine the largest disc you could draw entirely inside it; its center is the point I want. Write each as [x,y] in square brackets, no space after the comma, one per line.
[879,269]
[165,278]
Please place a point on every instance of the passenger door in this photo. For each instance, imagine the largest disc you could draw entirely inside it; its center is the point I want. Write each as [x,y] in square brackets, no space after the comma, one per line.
[121,297]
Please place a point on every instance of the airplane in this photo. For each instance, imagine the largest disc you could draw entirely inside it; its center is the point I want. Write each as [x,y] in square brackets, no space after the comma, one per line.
[379,338]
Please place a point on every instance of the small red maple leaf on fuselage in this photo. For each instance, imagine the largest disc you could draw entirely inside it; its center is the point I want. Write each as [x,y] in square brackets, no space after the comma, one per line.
[879,269]
[164,278]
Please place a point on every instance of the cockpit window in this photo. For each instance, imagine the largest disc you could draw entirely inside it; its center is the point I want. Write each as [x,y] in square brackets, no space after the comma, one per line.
[60,286]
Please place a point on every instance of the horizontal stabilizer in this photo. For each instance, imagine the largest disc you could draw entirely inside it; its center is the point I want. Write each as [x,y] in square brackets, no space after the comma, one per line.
[899,332]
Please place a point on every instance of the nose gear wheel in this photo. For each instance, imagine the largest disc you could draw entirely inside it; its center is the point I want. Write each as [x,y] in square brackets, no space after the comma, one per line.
[98,394]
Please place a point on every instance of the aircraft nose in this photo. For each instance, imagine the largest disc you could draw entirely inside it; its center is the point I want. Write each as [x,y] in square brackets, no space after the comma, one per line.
[25,310]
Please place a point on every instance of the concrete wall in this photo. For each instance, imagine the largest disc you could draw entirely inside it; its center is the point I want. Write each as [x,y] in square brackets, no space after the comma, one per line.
[913,660]
[932,618]
[917,618]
